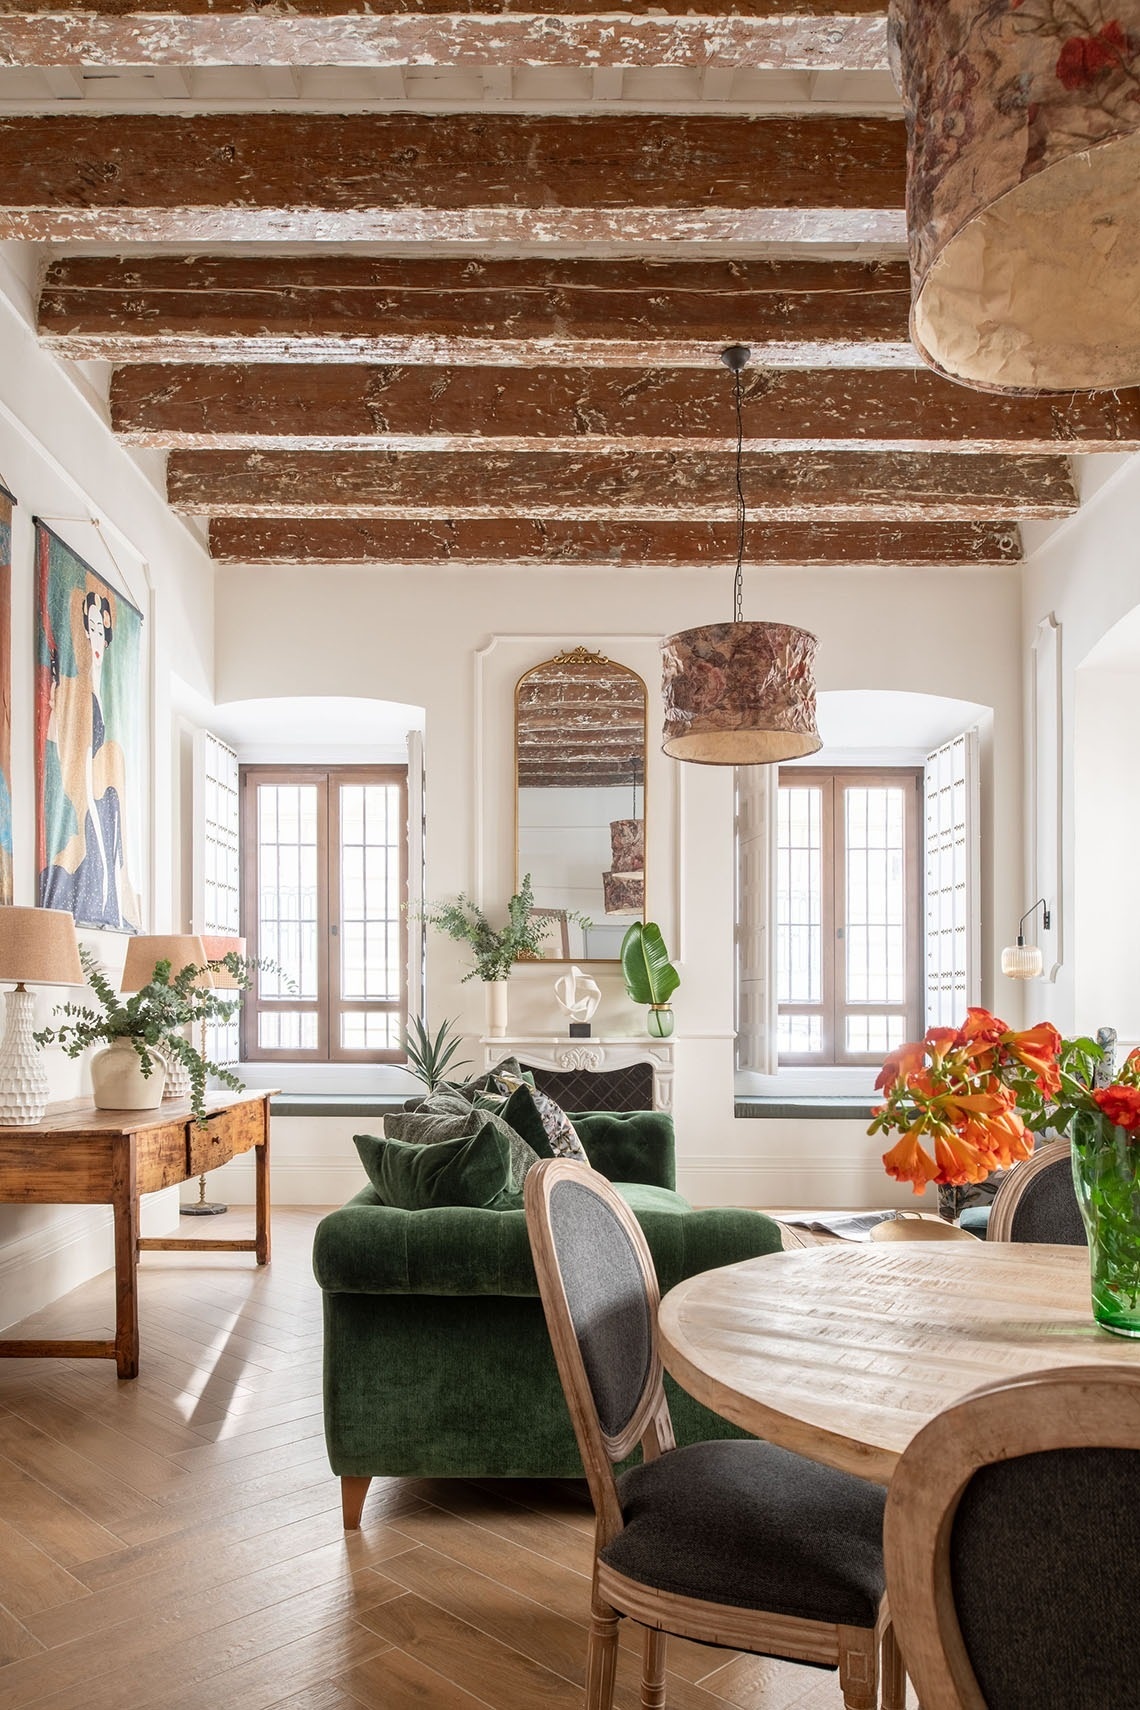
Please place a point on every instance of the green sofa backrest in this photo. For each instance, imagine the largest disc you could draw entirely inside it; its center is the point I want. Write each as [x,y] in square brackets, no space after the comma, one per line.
[630,1146]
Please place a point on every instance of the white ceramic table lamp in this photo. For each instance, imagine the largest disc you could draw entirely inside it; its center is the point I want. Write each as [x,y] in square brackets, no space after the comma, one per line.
[37,945]
[181,950]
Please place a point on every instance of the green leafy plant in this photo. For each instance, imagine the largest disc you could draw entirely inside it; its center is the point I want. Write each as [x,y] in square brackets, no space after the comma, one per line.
[430,1057]
[497,949]
[650,977]
[152,1018]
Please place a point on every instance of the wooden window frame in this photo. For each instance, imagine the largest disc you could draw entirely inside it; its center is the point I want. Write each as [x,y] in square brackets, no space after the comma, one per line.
[329,1005]
[833,1010]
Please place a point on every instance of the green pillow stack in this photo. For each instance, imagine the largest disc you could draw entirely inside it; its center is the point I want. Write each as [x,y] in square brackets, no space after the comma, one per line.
[470,1169]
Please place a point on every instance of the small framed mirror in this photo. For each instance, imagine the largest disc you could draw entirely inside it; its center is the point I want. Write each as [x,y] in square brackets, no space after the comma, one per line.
[580,749]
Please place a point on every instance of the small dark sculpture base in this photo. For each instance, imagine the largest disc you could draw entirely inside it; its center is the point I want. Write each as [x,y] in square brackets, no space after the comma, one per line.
[202,1210]
[579,1030]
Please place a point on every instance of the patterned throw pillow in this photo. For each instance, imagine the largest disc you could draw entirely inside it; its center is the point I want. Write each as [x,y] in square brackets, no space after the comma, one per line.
[561,1134]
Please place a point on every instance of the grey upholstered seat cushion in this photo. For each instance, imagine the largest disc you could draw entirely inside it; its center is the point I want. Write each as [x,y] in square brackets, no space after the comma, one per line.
[753,1526]
[1045,1564]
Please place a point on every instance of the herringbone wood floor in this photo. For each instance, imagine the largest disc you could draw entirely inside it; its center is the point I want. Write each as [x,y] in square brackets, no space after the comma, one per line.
[175,1542]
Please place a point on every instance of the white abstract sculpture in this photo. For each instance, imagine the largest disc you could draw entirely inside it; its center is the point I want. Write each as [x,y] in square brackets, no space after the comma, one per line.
[578,995]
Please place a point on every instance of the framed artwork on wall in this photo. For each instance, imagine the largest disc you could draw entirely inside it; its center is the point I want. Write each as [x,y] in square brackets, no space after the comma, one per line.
[6,503]
[89,741]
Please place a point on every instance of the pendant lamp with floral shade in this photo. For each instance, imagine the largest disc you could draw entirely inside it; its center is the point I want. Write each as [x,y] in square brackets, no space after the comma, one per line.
[1023,189]
[739,694]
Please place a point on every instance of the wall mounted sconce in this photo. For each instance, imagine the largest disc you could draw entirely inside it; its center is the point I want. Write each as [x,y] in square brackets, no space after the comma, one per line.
[1022,961]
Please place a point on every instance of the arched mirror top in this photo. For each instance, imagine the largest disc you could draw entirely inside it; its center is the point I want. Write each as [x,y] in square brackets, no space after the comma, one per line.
[580,751]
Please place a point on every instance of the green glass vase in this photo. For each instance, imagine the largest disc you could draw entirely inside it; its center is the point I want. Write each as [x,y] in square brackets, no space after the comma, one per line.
[1106,1171]
[659,1020]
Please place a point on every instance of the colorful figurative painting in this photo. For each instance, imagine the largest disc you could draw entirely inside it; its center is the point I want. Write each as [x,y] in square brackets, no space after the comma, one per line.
[6,503]
[89,741]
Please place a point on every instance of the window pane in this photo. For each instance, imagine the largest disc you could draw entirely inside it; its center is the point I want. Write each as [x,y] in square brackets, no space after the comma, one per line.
[875,888]
[287,889]
[369,1030]
[799,896]
[876,1034]
[370,925]
[799,1034]
[287,1030]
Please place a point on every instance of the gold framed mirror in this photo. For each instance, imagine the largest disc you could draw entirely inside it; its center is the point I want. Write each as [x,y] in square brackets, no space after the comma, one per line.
[581,739]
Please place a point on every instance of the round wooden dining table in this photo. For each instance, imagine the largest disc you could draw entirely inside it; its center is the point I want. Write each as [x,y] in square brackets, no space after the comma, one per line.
[843,1352]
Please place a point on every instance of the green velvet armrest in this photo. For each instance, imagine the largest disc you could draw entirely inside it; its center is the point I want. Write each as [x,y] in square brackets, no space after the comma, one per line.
[369,1248]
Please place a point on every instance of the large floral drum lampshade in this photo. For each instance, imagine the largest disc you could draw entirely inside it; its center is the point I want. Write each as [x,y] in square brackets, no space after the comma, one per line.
[1023,189]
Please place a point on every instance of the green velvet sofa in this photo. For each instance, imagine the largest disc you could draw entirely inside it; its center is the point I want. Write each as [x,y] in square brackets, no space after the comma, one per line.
[437,1361]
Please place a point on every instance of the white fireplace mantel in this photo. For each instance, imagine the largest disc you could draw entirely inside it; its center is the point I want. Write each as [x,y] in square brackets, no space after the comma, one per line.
[554,1051]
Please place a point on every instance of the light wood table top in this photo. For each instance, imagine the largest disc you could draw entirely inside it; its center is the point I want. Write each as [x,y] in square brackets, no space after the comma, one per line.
[844,1352]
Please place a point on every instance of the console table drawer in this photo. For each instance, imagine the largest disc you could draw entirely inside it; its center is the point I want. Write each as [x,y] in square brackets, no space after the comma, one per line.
[226,1135]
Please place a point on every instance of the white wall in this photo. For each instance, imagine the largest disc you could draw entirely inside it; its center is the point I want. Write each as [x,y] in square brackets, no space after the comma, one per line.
[1086,574]
[63,464]
[418,634]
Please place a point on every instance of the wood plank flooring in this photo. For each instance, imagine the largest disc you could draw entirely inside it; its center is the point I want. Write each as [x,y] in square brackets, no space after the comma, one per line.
[175,1543]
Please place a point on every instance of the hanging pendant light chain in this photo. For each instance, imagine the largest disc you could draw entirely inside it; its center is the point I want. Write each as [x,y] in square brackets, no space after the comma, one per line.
[738,584]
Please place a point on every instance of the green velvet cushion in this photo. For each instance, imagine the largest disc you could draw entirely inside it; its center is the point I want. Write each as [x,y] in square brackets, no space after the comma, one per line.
[630,1146]
[471,1170]
[367,1248]
[448,1115]
[521,1112]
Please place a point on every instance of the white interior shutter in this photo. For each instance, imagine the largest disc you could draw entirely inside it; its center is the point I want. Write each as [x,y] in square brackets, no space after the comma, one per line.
[217,865]
[952,843]
[417,929]
[755,918]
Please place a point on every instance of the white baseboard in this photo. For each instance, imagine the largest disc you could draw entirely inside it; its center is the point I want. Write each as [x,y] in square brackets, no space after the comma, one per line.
[64,1248]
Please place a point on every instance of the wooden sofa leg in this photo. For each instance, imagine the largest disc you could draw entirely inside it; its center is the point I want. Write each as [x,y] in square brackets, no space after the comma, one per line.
[352,1494]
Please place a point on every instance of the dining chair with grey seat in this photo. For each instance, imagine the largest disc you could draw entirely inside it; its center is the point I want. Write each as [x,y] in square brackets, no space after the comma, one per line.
[733,1543]
[1038,1202]
[1012,1549]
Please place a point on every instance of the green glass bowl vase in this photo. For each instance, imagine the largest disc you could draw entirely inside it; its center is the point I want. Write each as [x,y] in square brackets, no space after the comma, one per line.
[1106,1172]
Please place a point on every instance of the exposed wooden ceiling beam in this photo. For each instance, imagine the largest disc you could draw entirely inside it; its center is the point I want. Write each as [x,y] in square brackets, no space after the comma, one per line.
[442,33]
[611,545]
[586,313]
[315,407]
[410,177]
[636,486]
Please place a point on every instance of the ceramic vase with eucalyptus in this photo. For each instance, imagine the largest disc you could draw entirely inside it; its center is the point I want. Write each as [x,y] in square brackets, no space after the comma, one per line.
[1106,1172]
[118,1082]
[496,991]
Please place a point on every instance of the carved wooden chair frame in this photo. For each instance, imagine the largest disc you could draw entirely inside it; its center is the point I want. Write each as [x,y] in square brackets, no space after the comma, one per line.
[1019,1180]
[1082,1407]
[855,1650]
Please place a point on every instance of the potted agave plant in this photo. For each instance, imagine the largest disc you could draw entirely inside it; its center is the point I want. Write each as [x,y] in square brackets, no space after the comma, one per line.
[140,1031]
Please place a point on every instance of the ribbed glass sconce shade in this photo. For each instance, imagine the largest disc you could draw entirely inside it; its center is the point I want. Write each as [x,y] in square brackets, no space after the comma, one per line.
[1022,961]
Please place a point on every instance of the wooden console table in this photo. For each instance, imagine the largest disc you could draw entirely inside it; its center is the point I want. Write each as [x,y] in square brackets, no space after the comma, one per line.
[82,1156]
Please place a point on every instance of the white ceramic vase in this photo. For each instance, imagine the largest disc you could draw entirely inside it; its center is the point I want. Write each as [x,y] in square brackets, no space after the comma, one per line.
[118,1082]
[496,991]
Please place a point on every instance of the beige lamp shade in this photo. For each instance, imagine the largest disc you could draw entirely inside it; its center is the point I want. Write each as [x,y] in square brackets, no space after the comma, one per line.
[181,950]
[1022,961]
[216,948]
[1023,211]
[39,945]
[739,694]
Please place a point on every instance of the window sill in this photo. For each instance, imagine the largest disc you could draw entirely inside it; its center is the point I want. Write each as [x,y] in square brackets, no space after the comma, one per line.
[334,1104]
[815,1109]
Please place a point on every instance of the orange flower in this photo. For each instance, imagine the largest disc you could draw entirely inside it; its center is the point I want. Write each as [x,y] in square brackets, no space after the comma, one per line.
[1120,1104]
[899,1066]
[907,1162]
[1038,1048]
[958,1160]
[980,1030]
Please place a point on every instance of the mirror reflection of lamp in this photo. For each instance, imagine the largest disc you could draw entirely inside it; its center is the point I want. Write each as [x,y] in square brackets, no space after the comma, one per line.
[624,885]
